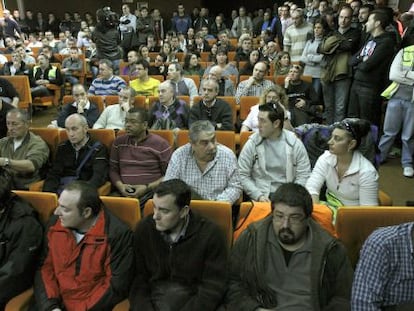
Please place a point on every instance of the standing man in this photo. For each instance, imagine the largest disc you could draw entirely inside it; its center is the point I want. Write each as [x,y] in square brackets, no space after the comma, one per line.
[242,24]
[256,84]
[145,26]
[217,111]
[113,116]
[181,22]
[190,252]
[296,36]
[138,159]
[143,84]
[23,153]
[384,275]
[399,115]
[337,74]
[127,22]
[272,157]
[79,150]
[288,262]
[210,169]
[87,257]
[371,65]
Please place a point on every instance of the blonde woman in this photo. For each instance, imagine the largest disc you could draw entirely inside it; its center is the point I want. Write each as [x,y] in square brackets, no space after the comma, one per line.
[274,94]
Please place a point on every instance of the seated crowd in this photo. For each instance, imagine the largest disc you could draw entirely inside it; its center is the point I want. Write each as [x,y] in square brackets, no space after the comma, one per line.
[323,64]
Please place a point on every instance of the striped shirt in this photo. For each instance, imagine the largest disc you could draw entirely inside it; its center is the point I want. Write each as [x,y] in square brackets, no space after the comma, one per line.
[220,181]
[139,163]
[111,86]
[295,39]
[385,271]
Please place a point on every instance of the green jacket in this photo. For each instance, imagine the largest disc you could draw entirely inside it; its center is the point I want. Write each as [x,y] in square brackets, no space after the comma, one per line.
[335,62]
[331,273]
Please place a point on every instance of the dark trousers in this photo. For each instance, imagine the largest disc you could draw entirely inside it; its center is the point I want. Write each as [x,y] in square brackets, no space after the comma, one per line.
[365,103]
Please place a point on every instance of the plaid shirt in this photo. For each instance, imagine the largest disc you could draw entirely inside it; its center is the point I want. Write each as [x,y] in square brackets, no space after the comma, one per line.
[220,181]
[385,271]
[256,89]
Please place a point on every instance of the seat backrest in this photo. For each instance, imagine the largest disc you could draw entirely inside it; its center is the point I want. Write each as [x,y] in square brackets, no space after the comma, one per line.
[355,224]
[218,212]
[168,135]
[231,100]
[50,136]
[126,209]
[22,86]
[281,79]
[244,136]
[43,202]
[195,78]
[105,136]
[158,77]
[226,138]
[246,102]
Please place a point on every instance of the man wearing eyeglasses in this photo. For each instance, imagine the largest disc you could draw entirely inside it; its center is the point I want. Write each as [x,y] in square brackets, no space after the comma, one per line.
[272,157]
[288,262]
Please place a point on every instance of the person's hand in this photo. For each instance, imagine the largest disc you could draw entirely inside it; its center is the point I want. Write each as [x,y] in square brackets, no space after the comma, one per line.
[139,190]
[126,190]
[300,103]
[250,81]
[81,105]
[263,198]
[125,106]
[287,81]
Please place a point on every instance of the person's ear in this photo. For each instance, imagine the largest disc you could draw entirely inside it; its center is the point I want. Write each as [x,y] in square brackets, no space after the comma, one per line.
[184,211]
[352,144]
[87,212]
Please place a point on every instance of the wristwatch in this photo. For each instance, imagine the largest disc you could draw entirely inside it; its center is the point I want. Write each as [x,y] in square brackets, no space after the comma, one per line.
[6,162]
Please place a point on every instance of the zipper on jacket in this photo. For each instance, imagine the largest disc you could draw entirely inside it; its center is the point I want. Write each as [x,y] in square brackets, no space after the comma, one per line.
[79,260]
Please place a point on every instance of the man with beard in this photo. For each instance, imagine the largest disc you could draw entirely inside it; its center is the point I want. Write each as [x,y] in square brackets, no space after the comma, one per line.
[288,262]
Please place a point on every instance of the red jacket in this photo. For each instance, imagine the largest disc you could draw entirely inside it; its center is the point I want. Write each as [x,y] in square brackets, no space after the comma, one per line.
[92,275]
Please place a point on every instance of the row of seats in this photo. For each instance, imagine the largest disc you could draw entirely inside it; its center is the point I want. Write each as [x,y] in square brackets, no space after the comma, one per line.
[53,137]
[353,224]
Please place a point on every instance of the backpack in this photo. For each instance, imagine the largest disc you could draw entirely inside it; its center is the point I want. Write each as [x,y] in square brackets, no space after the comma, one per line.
[315,137]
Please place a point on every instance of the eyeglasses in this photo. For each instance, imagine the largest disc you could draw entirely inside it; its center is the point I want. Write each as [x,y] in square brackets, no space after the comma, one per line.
[349,128]
[78,94]
[295,219]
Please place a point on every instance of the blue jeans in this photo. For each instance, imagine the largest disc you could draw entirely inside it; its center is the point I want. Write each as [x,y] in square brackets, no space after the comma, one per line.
[335,96]
[399,114]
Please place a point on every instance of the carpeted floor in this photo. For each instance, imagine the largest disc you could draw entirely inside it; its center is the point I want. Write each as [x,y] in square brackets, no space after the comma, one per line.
[392,181]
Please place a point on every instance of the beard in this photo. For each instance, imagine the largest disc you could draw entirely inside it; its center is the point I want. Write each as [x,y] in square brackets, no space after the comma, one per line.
[287,236]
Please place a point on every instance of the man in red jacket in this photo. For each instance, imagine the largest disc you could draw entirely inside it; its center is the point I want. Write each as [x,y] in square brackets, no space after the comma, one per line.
[87,260]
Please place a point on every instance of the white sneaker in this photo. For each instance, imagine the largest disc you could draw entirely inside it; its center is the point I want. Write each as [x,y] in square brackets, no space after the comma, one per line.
[408,172]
